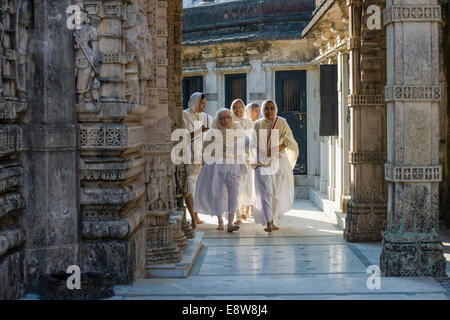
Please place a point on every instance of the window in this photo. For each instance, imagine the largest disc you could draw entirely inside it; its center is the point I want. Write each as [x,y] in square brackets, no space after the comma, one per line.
[329,123]
[190,86]
[235,88]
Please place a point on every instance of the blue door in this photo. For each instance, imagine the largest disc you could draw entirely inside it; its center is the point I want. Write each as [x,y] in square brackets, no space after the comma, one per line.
[290,89]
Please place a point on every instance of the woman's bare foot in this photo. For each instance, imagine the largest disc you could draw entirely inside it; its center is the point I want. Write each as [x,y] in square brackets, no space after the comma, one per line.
[220,227]
[269,228]
[198,219]
[238,222]
[233,228]
[274,227]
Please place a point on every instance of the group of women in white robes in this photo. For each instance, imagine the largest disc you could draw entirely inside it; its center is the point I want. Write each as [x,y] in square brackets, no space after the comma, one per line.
[229,185]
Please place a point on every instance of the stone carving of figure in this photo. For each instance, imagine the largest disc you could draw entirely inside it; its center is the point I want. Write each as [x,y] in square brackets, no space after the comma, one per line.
[163,185]
[156,185]
[171,186]
[86,61]
[143,57]
[137,37]
[131,45]
[22,37]
[151,183]
[181,184]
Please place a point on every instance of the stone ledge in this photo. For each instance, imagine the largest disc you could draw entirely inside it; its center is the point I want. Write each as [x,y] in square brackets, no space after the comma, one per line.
[181,269]
[301,192]
[329,208]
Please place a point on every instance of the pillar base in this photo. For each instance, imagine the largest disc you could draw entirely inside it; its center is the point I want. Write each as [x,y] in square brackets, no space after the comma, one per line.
[186,226]
[365,222]
[412,255]
[12,276]
[178,237]
[161,247]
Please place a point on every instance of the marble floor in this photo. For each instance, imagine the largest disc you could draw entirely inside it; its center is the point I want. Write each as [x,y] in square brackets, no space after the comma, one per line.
[306,259]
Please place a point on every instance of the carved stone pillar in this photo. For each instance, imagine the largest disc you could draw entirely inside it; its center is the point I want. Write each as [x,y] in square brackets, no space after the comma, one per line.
[411,244]
[51,179]
[160,174]
[366,217]
[111,101]
[13,105]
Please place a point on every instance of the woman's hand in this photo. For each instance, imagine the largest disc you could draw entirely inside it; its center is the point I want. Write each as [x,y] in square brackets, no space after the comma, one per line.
[281,148]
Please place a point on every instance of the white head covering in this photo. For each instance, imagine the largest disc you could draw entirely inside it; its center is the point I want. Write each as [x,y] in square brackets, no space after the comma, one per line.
[249,109]
[264,104]
[286,135]
[194,101]
[246,123]
[227,146]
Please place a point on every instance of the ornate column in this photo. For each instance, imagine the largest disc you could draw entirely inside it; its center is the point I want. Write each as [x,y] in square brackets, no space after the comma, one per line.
[411,244]
[366,217]
[163,233]
[13,104]
[112,58]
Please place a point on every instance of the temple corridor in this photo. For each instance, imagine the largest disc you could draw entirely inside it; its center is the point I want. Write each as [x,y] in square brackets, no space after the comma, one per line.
[307,259]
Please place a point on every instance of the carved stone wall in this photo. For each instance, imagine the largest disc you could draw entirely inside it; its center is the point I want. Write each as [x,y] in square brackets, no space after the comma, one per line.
[112,97]
[16,24]
[128,185]
[445,110]
[366,217]
[412,246]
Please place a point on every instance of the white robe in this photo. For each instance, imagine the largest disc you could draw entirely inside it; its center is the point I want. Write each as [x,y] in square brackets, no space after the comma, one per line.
[274,184]
[193,170]
[218,188]
[219,185]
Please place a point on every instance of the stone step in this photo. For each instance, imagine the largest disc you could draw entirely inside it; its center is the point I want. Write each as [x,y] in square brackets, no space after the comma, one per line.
[181,269]
[329,208]
[301,192]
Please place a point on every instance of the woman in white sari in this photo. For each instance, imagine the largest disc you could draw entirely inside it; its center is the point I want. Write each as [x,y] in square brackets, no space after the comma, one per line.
[194,113]
[274,179]
[252,112]
[219,182]
[246,196]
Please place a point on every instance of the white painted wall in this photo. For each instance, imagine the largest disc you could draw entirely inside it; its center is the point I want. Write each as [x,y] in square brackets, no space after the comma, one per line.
[210,87]
[313,117]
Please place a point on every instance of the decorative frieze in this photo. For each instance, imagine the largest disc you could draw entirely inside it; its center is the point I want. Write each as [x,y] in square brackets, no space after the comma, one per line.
[111,195]
[112,229]
[93,169]
[10,176]
[416,13]
[110,136]
[360,100]
[11,239]
[406,174]
[10,203]
[363,157]
[413,93]
[233,69]
[11,138]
